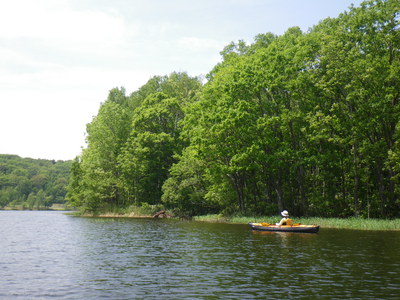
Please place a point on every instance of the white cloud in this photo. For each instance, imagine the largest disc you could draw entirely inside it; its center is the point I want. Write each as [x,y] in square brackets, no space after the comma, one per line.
[59,58]
[56,23]
[200,44]
[46,116]
[54,72]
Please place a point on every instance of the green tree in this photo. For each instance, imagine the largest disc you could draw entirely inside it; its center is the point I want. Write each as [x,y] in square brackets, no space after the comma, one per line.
[186,187]
[149,151]
[98,168]
[31,201]
[19,177]
[355,76]
[307,122]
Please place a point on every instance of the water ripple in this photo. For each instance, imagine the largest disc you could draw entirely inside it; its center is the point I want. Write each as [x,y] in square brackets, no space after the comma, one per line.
[47,255]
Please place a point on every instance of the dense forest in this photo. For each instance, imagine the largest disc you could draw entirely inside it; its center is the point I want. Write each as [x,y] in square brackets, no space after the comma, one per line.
[304,121]
[27,183]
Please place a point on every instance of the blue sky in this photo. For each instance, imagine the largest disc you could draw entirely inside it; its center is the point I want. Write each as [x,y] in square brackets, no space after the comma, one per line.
[59,58]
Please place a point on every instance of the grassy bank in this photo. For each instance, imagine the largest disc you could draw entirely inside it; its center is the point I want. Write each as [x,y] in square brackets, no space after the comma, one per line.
[349,223]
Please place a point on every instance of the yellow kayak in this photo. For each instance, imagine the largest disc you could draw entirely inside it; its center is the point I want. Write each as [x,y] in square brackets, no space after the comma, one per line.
[285,228]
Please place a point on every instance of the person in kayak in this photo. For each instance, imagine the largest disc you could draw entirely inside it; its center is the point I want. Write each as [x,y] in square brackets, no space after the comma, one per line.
[285,219]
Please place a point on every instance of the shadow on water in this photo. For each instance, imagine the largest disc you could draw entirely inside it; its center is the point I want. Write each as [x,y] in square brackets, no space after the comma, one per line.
[53,255]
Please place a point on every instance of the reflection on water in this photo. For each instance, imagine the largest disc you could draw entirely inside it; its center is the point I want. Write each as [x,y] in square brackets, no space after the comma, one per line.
[51,255]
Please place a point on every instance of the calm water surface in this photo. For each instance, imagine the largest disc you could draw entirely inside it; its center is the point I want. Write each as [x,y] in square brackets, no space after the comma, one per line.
[46,255]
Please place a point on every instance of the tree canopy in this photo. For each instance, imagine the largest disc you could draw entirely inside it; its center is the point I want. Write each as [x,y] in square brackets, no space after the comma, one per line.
[32,183]
[306,121]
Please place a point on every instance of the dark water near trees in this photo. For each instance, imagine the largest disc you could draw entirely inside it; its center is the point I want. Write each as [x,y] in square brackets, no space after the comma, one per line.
[50,255]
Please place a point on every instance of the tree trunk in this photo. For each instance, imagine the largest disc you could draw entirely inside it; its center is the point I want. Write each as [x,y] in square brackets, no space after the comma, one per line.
[356,181]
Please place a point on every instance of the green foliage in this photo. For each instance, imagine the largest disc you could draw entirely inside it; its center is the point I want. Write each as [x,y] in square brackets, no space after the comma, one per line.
[186,188]
[32,183]
[307,122]
[95,175]
[131,145]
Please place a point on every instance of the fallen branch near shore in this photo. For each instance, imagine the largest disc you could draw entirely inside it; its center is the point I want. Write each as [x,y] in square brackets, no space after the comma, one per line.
[161,214]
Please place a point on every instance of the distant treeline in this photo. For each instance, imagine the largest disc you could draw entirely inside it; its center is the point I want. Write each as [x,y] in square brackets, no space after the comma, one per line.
[27,183]
[305,121]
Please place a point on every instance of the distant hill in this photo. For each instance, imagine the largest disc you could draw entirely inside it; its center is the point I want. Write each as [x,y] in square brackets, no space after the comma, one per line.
[27,183]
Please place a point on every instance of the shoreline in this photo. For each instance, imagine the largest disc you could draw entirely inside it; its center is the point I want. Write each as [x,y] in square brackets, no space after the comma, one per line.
[352,223]
[331,223]
[53,207]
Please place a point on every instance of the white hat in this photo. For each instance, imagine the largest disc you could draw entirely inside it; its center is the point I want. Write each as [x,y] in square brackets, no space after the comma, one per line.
[285,213]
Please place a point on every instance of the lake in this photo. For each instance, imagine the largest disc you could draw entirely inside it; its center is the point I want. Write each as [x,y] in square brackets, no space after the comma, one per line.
[50,255]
